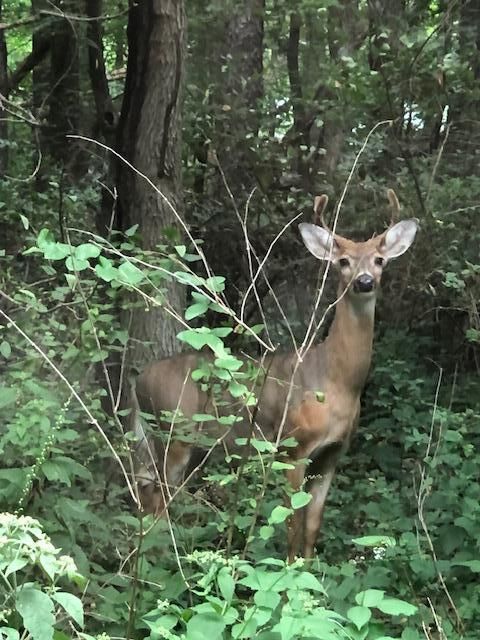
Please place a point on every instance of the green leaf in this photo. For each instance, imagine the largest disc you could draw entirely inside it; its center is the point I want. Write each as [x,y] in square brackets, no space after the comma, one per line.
[205,626]
[279,514]
[5,349]
[196,310]
[473,565]
[226,584]
[7,633]
[193,338]
[395,607]
[181,249]
[203,417]
[131,230]
[267,599]
[375,541]
[215,283]
[188,278]
[74,264]
[237,390]
[129,273]
[105,270]
[370,597]
[359,616]
[300,499]
[277,465]
[266,532]
[36,609]
[15,565]
[56,251]
[228,362]
[85,251]
[8,395]
[72,605]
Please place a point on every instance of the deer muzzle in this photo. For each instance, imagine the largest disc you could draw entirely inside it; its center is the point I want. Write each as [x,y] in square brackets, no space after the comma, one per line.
[364,283]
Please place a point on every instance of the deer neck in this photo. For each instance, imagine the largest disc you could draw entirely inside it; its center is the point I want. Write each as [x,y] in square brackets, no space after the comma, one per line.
[349,343]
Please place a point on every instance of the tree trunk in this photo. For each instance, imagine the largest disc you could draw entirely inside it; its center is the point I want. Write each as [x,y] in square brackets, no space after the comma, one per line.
[239,115]
[106,117]
[149,138]
[3,95]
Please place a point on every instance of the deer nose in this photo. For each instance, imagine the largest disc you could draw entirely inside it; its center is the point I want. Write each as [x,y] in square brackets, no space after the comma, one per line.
[364,283]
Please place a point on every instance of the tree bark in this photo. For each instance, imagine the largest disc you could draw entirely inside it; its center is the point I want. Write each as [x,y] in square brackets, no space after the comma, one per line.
[3,96]
[239,115]
[150,139]
[105,111]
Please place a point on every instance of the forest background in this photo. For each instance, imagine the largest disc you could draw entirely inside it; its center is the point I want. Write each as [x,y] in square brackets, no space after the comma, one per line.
[132,145]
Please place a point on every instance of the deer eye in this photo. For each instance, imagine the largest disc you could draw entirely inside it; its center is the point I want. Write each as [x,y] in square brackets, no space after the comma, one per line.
[344,262]
[379,261]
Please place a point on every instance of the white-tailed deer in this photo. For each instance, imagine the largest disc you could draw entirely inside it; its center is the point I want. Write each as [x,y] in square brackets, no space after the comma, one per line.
[338,367]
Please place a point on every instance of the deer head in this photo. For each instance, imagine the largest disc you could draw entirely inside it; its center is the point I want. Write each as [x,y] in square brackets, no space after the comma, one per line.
[359,264]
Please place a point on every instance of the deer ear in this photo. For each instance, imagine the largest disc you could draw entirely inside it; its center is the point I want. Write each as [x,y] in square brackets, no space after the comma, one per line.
[399,238]
[318,241]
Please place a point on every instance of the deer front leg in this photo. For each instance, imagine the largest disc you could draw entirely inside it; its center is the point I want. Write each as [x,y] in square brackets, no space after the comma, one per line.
[314,512]
[167,473]
[295,523]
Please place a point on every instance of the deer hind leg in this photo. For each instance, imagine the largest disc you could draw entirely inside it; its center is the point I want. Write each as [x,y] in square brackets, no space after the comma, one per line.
[323,470]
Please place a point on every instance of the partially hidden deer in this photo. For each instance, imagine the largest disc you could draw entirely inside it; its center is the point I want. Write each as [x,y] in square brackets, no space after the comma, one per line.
[322,424]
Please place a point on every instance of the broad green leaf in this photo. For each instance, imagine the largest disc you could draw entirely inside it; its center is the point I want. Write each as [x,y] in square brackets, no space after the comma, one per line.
[105,270]
[215,283]
[131,230]
[375,541]
[203,417]
[188,278]
[267,599]
[8,395]
[473,565]
[306,580]
[181,249]
[129,273]
[15,565]
[196,310]
[72,605]
[25,221]
[277,465]
[75,264]
[279,514]
[395,607]
[36,609]
[237,390]
[359,616]
[85,251]
[195,338]
[226,584]
[300,499]
[5,349]
[266,532]
[205,626]
[370,597]
[7,633]
[57,251]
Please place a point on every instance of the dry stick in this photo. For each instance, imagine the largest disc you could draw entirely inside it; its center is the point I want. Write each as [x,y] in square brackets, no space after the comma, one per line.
[422,496]
[437,162]
[77,397]
[251,250]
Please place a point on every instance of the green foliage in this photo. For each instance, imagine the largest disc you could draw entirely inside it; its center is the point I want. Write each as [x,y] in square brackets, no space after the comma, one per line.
[31,604]
[399,552]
